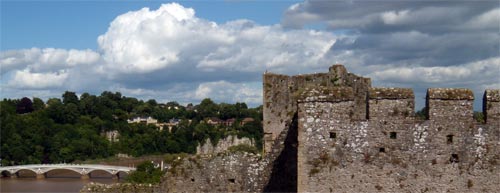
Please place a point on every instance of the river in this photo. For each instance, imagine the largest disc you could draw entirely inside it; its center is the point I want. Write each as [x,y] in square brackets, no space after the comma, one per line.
[48,184]
[56,181]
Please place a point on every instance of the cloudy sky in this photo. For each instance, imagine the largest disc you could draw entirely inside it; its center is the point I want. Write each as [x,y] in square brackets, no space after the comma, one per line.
[188,50]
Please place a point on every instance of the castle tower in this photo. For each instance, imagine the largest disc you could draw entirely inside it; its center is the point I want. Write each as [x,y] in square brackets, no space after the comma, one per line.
[281,92]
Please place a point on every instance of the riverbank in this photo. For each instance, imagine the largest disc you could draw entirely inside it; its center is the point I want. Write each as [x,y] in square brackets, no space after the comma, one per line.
[119,188]
[125,161]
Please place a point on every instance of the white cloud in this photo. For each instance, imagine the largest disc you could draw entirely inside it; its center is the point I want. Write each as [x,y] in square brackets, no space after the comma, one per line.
[230,92]
[146,41]
[28,80]
[46,60]
[171,54]
[487,20]
[480,72]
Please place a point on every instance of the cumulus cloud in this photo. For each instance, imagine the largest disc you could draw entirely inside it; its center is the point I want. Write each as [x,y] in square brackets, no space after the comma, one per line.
[170,53]
[148,41]
[29,80]
[415,44]
[479,73]
[45,60]
[231,92]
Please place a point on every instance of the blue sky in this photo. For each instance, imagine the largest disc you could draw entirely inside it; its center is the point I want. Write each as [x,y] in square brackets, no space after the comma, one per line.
[27,24]
[188,50]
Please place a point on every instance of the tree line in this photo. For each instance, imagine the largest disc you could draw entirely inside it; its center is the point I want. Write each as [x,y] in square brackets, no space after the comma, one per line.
[71,128]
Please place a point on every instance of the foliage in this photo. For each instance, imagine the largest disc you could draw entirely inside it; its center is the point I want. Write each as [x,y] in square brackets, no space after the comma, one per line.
[145,173]
[73,128]
[422,114]
[24,106]
[479,117]
[243,148]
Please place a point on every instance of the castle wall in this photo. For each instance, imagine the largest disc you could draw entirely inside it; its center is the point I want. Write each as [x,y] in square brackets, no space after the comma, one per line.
[449,104]
[491,106]
[276,104]
[240,172]
[222,145]
[392,152]
[389,103]
[281,92]
[332,132]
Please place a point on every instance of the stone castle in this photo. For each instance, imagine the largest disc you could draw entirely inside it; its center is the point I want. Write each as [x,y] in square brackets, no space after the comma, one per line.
[333,132]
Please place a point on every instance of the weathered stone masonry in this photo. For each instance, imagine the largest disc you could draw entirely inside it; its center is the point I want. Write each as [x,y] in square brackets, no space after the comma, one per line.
[333,132]
[390,150]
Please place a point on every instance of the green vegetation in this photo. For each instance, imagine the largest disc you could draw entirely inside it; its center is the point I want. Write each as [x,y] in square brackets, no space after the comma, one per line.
[73,128]
[422,114]
[479,117]
[146,173]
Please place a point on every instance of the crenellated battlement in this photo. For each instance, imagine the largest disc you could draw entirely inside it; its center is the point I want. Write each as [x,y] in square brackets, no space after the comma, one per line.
[345,123]
[282,93]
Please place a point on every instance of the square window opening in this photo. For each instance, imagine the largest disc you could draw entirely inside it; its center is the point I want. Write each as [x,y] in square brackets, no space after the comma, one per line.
[333,135]
[382,149]
[393,135]
[449,139]
[192,179]
[454,158]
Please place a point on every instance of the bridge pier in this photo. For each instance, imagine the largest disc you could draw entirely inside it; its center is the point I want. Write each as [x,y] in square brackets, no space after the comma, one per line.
[40,176]
[14,175]
[85,176]
[116,176]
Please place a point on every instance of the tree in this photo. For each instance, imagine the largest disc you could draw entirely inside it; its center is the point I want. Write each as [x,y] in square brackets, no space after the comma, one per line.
[69,97]
[38,104]
[207,108]
[146,173]
[24,106]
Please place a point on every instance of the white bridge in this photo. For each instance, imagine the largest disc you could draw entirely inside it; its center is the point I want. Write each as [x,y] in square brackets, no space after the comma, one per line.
[83,169]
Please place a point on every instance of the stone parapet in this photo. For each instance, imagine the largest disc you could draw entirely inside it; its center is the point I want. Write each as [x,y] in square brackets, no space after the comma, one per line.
[390,93]
[325,94]
[450,93]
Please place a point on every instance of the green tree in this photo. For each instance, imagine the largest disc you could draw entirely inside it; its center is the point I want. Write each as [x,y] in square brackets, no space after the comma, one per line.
[69,97]
[24,106]
[207,108]
[38,104]
[146,173]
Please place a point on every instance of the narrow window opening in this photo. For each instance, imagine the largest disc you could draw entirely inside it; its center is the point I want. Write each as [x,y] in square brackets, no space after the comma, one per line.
[192,179]
[333,135]
[232,180]
[382,149]
[454,158]
[393,135]
[449,139]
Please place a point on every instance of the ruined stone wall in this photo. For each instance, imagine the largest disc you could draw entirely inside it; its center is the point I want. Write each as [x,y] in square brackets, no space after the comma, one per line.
[275,107]
[239,172]
[491,106]
[387,103]
[222,145]
[394,152]
[332,132]
[281,92]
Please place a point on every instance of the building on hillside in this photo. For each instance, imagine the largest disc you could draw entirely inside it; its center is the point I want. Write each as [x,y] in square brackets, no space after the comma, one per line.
[213,121]
[145,120]
[112,136]
[246,120]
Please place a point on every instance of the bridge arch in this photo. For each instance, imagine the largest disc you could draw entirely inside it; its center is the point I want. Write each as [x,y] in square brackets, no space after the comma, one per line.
[84,170]
[62,173]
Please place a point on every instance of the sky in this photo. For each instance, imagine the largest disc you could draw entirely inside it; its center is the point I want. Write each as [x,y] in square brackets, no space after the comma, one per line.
[186,51]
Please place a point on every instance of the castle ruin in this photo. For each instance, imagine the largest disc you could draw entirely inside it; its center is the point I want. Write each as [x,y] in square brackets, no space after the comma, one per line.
[333,132]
